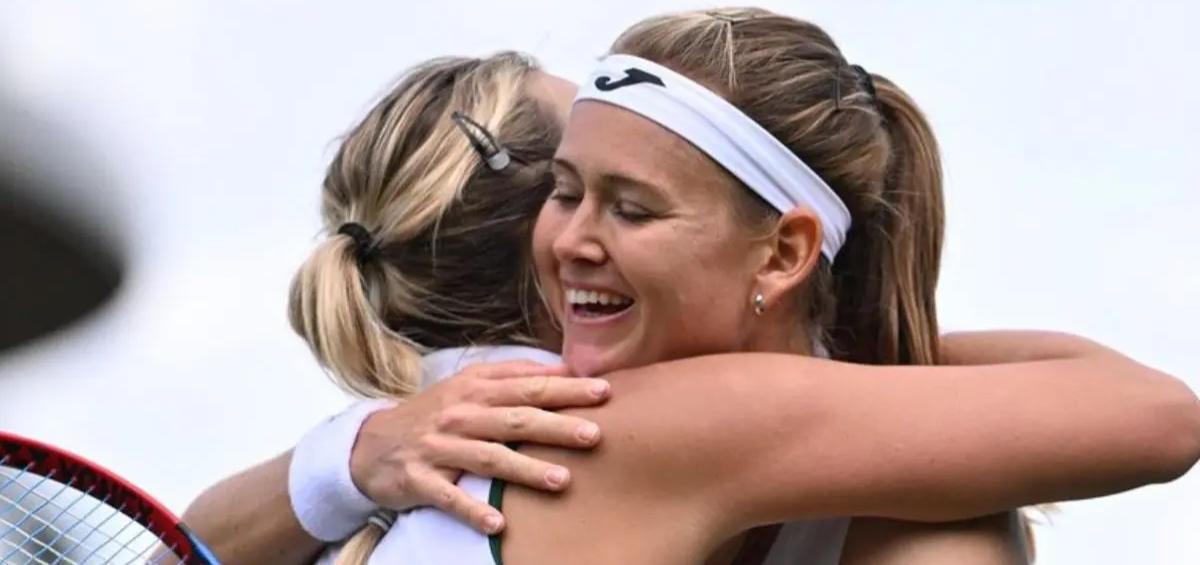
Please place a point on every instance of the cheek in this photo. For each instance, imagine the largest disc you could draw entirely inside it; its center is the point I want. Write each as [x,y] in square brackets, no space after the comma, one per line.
[699,275]
[546,229]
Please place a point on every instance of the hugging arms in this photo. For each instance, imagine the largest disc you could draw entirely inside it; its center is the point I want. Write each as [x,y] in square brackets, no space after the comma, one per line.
[988,430]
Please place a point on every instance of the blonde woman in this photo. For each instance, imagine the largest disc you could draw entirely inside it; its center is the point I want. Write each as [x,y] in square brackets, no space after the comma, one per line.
[764,437]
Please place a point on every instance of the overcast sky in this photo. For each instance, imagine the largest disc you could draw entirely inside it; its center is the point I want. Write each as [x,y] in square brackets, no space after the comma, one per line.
[1067,128]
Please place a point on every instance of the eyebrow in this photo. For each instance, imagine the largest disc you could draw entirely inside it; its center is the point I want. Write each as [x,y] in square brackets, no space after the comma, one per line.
[560,163]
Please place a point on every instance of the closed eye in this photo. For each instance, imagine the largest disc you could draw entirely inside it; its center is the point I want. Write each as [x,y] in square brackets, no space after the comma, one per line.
[632,213]
[565,198]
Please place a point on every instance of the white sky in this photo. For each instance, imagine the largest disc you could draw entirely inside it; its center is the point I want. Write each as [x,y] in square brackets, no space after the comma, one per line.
[1067,131]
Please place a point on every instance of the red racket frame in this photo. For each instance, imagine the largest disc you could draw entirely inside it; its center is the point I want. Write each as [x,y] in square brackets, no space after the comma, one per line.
[49,461]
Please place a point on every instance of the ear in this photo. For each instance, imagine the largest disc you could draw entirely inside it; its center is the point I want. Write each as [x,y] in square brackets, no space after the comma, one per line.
[794,250]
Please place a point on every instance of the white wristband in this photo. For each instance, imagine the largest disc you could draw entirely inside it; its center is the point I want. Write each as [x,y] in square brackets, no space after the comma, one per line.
[326,501]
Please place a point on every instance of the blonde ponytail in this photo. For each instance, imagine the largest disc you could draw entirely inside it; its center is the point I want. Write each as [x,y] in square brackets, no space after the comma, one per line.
[358,549]
[426,248]
[332,310]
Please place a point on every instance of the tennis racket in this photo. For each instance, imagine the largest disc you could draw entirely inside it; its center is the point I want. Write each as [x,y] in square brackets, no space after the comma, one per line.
[59,508]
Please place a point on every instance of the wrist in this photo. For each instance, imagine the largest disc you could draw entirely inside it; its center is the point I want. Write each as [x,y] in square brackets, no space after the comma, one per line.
[323,494]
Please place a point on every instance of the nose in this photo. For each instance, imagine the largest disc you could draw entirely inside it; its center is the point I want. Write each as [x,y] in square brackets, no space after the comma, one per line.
[580,241]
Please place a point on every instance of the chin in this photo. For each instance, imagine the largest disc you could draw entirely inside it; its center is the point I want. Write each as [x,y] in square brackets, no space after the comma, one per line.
[588,362]
[585,366]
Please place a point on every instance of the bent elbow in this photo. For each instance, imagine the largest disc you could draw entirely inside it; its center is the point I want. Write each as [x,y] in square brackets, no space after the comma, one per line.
[1190,452]
[1180,433]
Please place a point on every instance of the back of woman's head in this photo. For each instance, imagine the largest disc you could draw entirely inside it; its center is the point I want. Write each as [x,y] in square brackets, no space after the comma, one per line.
[446,261]
[862,134]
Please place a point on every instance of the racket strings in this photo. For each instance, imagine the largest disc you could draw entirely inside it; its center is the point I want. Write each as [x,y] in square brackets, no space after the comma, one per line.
[19,548]
[46,520]
[36,514]
[64,536]
[34,536]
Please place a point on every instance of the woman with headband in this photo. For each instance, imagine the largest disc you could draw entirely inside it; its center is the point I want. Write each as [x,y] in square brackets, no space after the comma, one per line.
[794,436]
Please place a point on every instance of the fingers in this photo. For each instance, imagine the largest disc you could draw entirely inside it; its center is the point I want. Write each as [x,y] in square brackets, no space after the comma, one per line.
[527,424]
[545,392]
[449,498]
[497,460]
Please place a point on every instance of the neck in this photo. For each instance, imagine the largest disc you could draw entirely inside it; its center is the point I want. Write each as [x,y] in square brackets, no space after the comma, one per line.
[779,332]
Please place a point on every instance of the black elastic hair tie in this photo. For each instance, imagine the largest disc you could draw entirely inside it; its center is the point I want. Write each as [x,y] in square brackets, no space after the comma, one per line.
[364,243]
[866,81]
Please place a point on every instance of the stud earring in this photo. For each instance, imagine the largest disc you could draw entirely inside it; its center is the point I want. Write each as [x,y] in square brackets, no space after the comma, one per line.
[760,304]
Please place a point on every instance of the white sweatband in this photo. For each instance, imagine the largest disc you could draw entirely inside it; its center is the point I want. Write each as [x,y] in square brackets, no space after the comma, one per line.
[724,133]
[327,503]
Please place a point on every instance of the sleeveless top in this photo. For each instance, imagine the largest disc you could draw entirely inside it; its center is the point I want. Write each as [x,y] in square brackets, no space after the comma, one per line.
[427,536]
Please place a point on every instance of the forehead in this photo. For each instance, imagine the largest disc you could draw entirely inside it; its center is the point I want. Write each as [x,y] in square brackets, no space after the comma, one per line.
[602,139]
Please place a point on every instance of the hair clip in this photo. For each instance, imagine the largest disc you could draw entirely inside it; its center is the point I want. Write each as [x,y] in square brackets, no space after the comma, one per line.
[481,139]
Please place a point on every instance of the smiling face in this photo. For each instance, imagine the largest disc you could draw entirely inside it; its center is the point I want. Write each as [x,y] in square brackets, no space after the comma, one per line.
[639,249]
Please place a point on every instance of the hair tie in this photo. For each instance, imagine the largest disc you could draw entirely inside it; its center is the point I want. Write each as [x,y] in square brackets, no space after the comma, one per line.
[364,243]
[382,519]
[862,77]
[482,140]
[866,81]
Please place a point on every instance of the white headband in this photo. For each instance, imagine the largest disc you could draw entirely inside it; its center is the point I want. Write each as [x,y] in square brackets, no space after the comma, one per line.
[722,132]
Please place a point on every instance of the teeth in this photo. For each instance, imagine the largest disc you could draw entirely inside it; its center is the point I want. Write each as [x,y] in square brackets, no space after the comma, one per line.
[576,296]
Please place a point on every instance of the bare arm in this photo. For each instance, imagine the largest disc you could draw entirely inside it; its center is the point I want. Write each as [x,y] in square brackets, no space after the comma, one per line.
[1006,347]
[247,518]
[769,438]
[409,455]
[1071,419]
[1000,538]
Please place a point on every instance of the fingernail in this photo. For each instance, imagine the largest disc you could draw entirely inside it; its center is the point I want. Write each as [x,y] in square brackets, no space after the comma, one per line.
[556,476]
[588,432]
[600,389]
[492,523]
